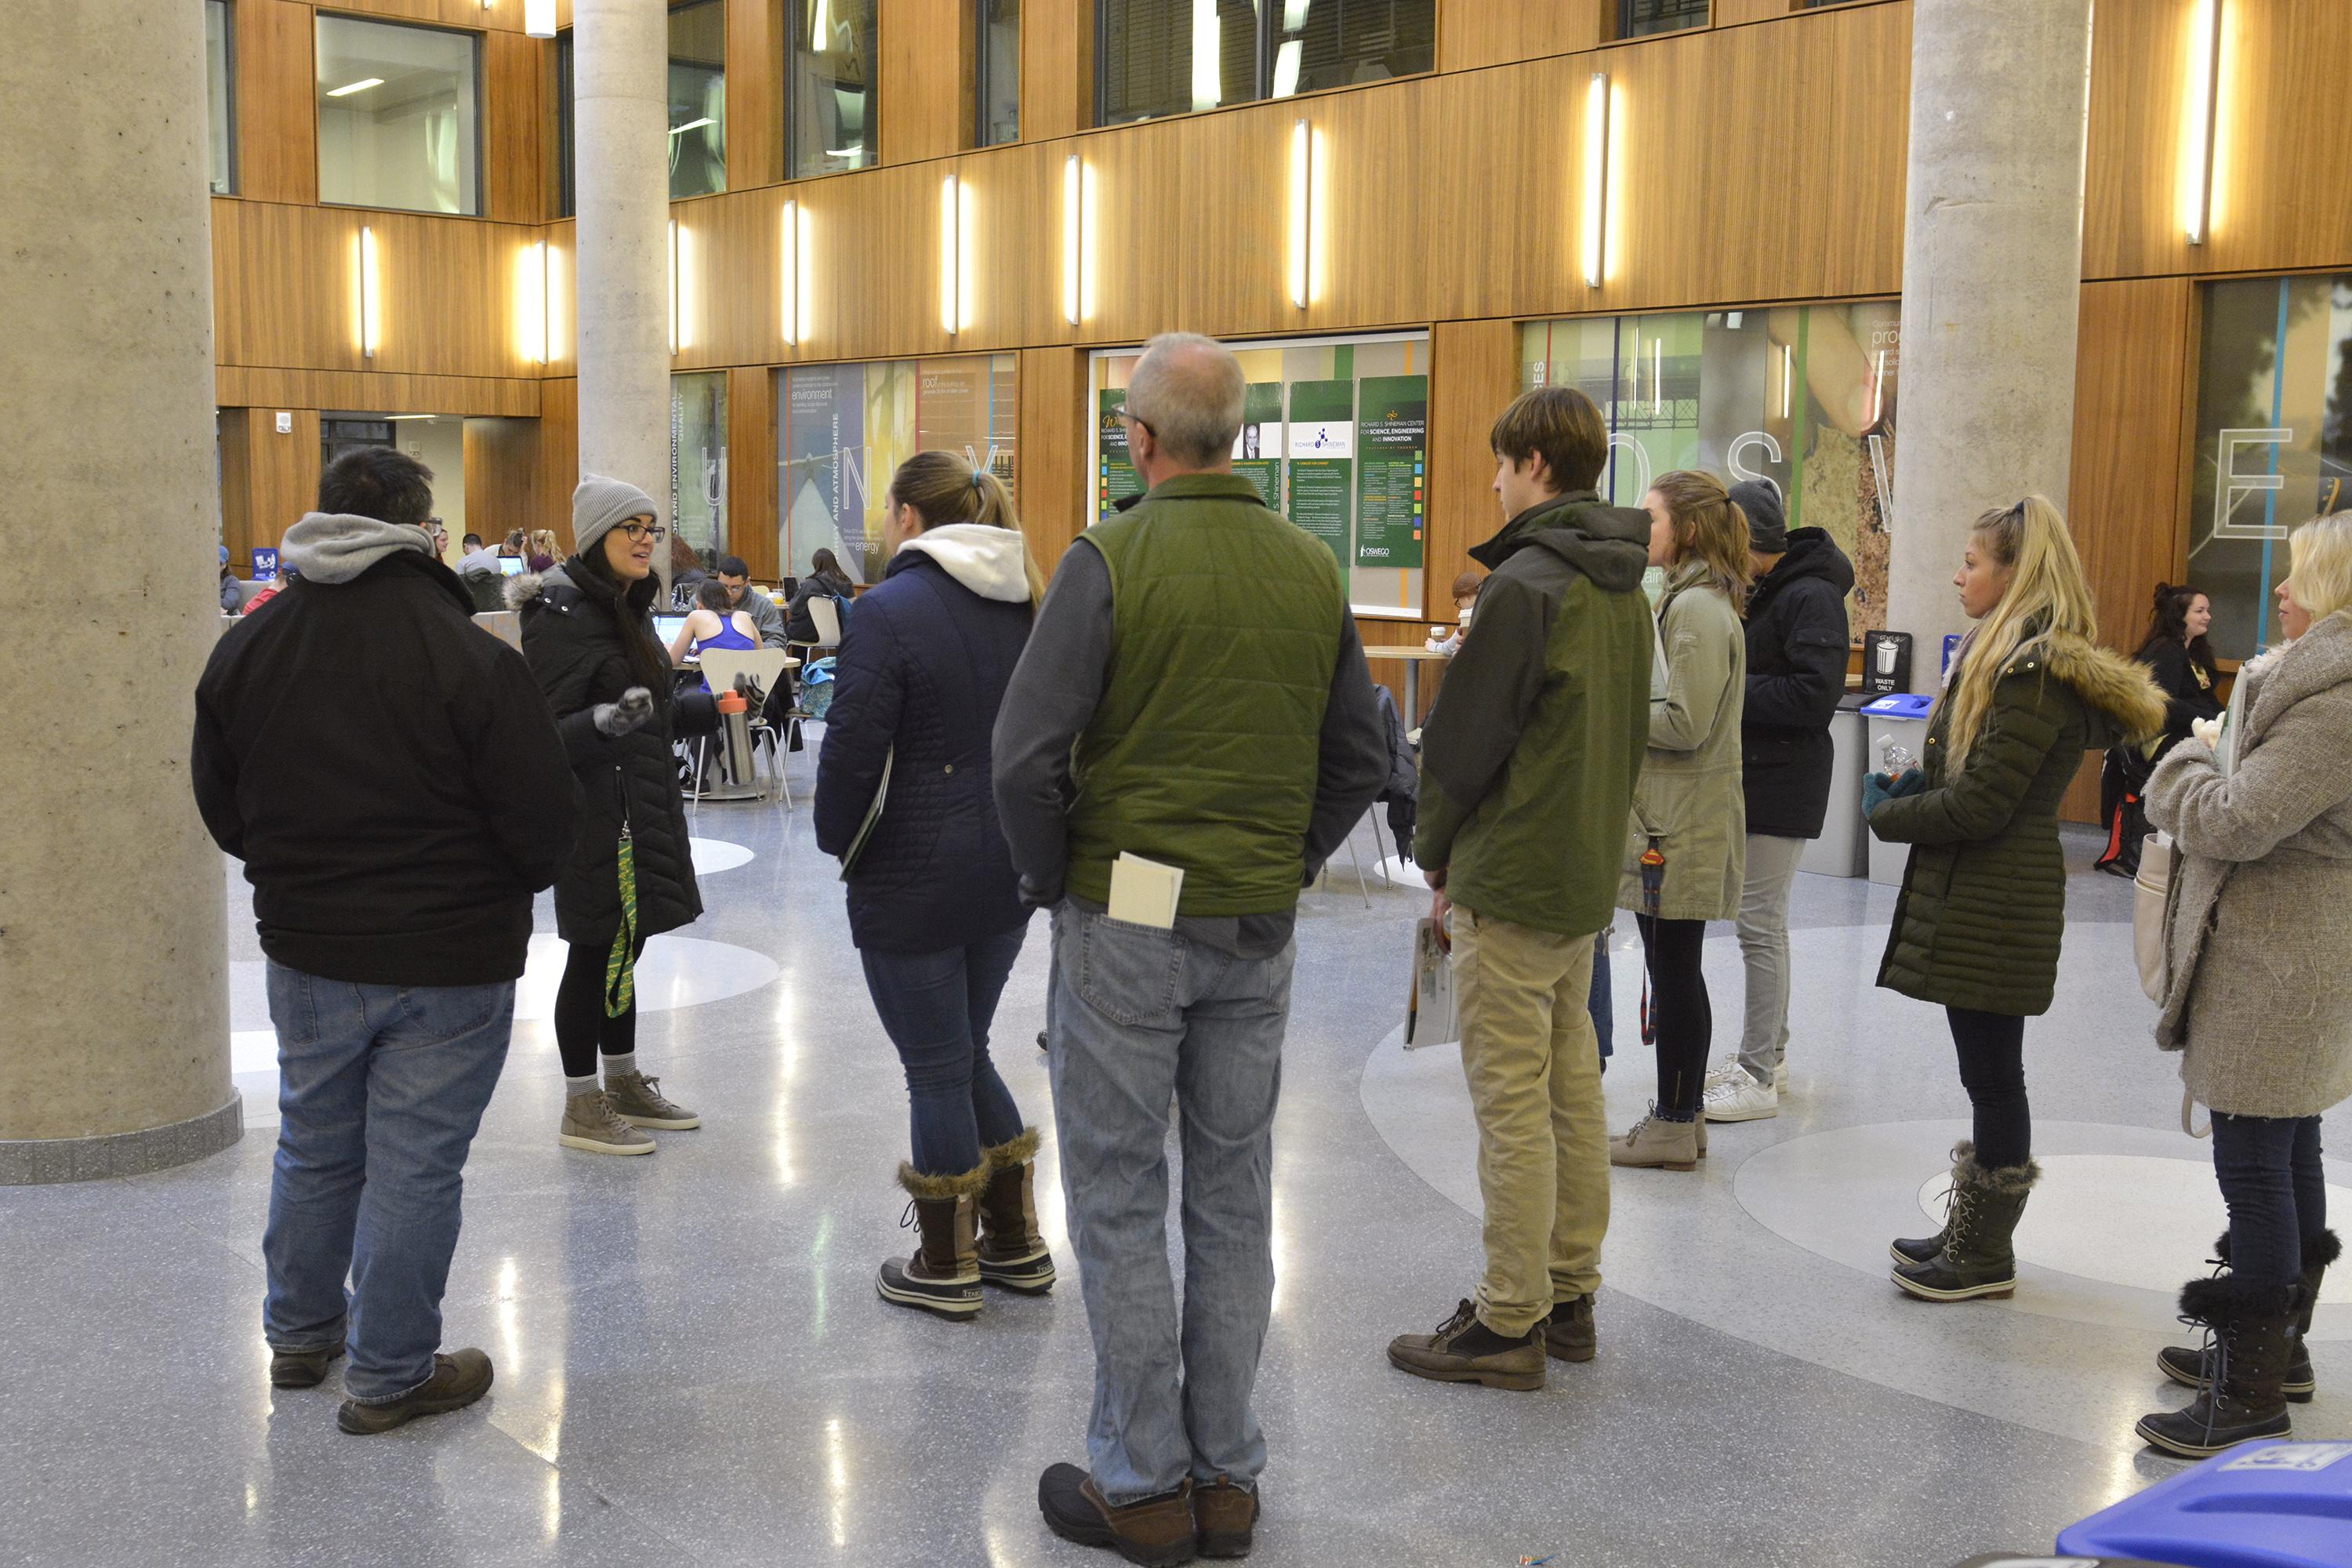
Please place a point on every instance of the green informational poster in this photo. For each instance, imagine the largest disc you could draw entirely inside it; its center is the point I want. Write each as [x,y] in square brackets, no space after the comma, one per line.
[1115,477]
[1257,454]
[1391,471]
[1322,460]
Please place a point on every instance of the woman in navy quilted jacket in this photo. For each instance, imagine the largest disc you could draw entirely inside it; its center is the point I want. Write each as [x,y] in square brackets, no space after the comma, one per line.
[934,905]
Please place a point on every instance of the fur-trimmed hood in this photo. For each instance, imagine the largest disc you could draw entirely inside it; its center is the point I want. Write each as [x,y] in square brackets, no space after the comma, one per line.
[2119,689]
[523,587]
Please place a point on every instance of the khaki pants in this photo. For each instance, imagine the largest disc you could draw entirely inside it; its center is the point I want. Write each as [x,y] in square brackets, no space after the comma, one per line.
[1534,1065]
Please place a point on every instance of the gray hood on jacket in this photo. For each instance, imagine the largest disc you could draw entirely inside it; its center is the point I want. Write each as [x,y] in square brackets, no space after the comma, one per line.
[335,547]
[1609,544]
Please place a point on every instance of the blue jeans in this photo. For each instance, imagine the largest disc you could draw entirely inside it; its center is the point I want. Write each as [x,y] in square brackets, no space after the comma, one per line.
[381,1088]
[936,1008]
[2276,1192]
[1140,1014]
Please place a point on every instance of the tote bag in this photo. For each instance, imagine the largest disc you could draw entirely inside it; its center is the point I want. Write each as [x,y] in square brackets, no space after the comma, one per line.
[2149,890]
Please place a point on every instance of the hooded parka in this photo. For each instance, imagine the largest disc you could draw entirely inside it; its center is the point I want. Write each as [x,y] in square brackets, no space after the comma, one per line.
[1692,804]
[1797,655]
[572,635]
[1983,905]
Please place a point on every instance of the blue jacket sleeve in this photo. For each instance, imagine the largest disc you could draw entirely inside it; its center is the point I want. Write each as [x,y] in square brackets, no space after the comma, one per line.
[869,691]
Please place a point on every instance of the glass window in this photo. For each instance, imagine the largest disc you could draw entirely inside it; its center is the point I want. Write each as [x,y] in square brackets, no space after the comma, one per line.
[697,463]
[220,117]
[832,87]
[697,99]
[2274,442]
[1636,18]
[842,430]
[1802,397]
[1172,56]
[567,192]
[399,116]
[1334,435]
[999,72]
[1339,43]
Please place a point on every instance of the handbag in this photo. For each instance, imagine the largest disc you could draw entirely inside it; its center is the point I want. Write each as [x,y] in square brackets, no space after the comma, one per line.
[2150,890]
[1430,1017]
[873,818]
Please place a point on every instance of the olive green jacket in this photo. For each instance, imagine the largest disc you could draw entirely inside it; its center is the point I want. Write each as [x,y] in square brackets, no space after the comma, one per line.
[1693,799]
[1983,904]
[1528,758]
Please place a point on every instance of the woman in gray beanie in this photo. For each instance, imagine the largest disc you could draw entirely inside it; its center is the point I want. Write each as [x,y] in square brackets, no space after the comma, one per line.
[587,630]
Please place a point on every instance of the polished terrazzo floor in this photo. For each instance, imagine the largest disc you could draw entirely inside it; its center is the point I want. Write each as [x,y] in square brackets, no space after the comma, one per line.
[693,1366]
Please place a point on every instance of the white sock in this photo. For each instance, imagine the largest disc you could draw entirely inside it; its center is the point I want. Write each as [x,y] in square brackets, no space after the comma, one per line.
[580,1085]
[618,1066]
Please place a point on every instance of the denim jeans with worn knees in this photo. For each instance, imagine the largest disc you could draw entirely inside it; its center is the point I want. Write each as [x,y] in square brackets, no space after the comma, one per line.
[1763,928]
[1140,1014]
[2270,1178]
[379,1089]
[937,1008]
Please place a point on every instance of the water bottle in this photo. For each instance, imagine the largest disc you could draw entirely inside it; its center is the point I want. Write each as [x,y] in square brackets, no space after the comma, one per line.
[1895,757]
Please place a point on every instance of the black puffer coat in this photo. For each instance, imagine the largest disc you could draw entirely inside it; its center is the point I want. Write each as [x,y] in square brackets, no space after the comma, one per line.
[921,675]
[572,635]
[1797,655]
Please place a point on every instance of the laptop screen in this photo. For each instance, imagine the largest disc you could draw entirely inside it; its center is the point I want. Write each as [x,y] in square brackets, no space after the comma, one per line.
[510,565]
[667,628]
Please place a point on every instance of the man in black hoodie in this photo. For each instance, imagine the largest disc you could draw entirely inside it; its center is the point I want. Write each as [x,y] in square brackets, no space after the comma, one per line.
[1797,655]
[392,779]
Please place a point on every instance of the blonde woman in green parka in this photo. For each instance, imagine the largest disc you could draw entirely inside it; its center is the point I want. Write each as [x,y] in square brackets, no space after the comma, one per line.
[1983,905]
[1687,846]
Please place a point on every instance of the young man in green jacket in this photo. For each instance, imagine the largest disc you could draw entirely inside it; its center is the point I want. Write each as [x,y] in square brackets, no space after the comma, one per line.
[1527,770]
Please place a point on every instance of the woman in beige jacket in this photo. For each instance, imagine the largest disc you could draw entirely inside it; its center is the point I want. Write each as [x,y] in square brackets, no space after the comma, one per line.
[2258,993]
[1686,845]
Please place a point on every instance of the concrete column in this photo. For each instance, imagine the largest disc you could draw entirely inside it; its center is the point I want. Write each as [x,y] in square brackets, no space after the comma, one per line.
[621,115]
[1992,272]
[113,924]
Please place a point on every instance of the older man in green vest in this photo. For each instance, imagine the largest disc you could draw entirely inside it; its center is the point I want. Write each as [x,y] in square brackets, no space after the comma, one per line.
[1193,701]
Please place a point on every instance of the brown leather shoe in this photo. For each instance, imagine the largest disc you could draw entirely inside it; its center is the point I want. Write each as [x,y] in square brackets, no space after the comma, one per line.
[1156,1531]
[1223,1515]
[1568,1333]
[1465,1350]
[458,1379]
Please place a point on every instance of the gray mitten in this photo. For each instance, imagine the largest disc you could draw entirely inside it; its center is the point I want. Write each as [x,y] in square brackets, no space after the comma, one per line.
[617,718]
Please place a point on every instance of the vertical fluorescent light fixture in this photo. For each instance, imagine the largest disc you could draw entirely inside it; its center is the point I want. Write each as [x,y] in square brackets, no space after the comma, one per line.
[531,333]
[1074,224]
[1302,211]
[2200,125]
[1207,81]
[791,304]
[955,270]
[1596,180]
[538,18]
[371,294]
[674,335]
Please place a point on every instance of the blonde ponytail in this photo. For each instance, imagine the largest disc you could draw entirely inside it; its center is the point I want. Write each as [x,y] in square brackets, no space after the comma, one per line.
[2048,597]
[945,489]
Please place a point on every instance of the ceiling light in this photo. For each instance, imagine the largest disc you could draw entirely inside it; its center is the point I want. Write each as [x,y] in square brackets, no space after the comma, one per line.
[691,125]
[351,88]
[1286,67]
[538,18]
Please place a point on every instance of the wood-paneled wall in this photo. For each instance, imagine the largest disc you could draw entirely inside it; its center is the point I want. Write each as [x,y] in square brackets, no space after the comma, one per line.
[1056,495]
[268,479]
[277,106]
[751,470]
[926,78]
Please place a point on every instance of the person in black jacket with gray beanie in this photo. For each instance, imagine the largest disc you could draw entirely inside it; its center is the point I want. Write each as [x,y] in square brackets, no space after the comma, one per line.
[1797,657]
[587,630]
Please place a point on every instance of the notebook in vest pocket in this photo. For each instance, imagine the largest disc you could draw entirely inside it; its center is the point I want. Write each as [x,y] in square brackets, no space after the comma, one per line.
[1145,892]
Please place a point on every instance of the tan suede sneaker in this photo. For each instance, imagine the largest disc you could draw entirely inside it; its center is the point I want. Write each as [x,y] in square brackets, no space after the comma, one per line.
[590,1123]
[637,1100]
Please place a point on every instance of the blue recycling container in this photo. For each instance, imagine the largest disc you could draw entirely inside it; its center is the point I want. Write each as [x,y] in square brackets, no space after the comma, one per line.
[1900,705]
[2264,1505]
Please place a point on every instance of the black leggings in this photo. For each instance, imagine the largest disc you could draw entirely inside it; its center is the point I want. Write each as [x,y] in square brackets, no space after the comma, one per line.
[1680,1017]
[1992,1070]
[581,1026]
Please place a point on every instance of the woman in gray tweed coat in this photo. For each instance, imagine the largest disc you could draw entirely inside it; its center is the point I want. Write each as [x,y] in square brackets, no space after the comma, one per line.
[2258,995]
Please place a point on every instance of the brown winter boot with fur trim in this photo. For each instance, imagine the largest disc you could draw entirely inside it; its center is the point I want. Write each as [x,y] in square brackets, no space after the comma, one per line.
[2192,1365]
[943,1276]
[1012,1253]
[2253,1335]
[1975,1259]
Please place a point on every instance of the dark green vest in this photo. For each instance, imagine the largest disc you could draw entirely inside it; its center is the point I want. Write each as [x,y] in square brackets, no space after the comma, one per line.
[1225,623]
